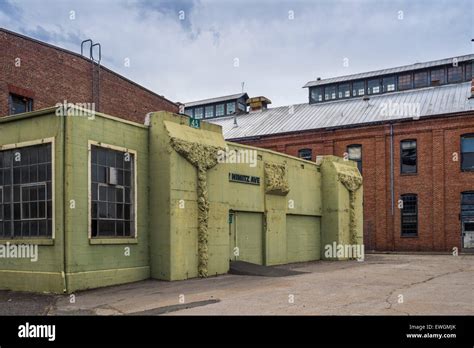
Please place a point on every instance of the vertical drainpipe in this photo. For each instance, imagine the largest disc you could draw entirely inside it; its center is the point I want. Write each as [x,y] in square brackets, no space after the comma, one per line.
[64,137]
[391,168]
[391,181]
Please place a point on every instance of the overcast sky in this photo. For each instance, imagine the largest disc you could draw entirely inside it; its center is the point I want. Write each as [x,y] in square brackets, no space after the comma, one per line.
[191,50]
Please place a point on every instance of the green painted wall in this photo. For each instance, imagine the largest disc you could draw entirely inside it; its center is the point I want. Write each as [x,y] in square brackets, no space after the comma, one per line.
[299,206]
[335,223]
[93,265]
[290,220]
[47,273]
[84,265]
[275,230]
[247,237]
[303,238]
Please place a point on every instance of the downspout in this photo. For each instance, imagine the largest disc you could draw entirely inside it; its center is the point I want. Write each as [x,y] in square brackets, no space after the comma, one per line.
[391,168]
[64,137]
[391,181]
[147,123]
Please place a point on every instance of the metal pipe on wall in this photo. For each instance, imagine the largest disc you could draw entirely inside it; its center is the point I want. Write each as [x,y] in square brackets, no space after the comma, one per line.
[391,168]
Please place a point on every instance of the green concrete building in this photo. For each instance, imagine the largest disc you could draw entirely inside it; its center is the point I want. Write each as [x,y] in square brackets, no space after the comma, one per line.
[106,201]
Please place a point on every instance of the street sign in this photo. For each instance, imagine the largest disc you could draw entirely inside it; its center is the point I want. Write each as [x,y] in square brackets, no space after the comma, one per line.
[194,122]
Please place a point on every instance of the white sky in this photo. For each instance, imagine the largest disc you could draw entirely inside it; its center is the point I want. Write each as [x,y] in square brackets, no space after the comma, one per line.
[278,51]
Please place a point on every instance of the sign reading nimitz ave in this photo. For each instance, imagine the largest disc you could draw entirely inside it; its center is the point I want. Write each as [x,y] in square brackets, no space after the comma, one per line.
[244,179]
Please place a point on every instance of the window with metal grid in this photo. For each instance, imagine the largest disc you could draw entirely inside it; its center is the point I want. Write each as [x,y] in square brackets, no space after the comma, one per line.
[405,82]
[358,88]
[230,108]
[388,84]
[112,193]
[373,86]
[468,70]
[316,94]
[438,77]
[26,192]
[209,111]
[220,110]
[420,79]
[409,220]
[198,112]
[455,74]
[1,205]
[467,204]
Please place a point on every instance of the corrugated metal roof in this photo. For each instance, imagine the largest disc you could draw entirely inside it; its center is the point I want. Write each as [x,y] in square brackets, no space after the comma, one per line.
[215,100]
[429,101]
[415,66]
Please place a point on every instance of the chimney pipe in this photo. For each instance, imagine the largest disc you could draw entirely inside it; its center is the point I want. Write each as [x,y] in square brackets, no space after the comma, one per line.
[258,103]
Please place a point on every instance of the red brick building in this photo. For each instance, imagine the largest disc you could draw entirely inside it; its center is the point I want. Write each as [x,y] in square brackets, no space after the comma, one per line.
[35,75]
[411,130]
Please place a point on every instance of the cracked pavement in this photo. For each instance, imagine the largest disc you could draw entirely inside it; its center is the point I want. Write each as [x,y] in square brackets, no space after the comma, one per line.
[384,284]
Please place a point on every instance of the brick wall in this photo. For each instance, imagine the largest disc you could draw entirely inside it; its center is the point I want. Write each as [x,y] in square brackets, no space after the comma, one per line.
[438,183]
[49,75]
